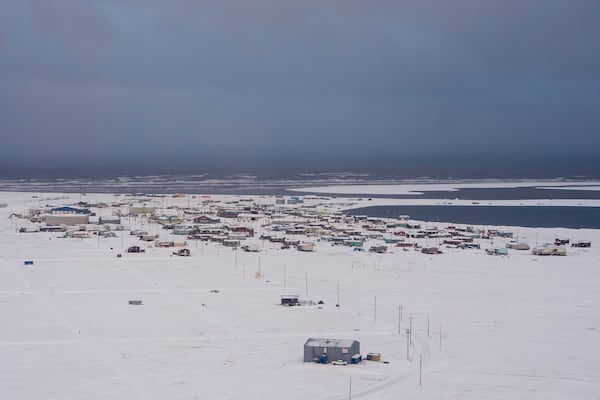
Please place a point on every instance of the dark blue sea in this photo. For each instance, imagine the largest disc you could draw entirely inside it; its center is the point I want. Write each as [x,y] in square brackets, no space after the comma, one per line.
[527,216]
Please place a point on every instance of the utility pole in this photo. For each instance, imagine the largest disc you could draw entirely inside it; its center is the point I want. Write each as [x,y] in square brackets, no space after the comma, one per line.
[399,319]
[306,283]
[375,311]
[350,393]
[428,335]
[410,319]
[401,310]
[440,337]
[408,344]
[338,295]
[420,368]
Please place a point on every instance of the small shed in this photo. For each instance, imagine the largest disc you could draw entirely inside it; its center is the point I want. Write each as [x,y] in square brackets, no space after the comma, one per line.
[252,248]
[182,252]
[430,250]
[582,243]
[517,246]
[135,249]
[109,220]
[308,246]
[231,243]
[549,250]
[333,349]
[356,359]
[378,249]
[290,299]
[501,251]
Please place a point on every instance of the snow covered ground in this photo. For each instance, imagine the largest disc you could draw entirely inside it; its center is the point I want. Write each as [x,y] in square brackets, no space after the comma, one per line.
[422,188]
[512,327]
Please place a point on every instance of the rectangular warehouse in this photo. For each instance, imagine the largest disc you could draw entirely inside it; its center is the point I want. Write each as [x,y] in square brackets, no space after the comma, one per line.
[326,350]
[66,219]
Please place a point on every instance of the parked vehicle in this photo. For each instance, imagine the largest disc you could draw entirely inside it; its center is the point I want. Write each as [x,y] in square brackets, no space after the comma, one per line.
[339,362]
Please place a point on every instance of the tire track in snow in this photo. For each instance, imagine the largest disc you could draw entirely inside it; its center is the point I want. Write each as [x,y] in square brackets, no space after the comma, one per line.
[175,293]
[84,335]
[425,350]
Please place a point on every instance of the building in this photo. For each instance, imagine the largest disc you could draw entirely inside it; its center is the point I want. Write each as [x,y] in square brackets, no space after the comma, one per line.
[378,249]
[295,200]
[66,219]
[517,246]
[231,242]
[549,250]
[430,250]
[205,219]
[327,350]
[229,212]
[68,211]
[141,210]
[251,248]
[582,243]
[182,252]
[135,249]
[242,230]
[109,220]
[309,246]
[290,300]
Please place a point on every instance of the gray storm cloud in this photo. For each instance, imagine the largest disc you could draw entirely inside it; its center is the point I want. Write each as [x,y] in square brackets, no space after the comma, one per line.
[111,81]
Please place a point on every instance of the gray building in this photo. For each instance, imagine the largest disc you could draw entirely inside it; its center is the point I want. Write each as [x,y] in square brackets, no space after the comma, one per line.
[330,350]
[109,220]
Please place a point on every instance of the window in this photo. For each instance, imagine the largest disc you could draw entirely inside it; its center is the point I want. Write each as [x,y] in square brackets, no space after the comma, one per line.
[344,351]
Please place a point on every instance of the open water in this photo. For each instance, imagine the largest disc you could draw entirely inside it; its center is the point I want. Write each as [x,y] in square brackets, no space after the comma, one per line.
[527,216]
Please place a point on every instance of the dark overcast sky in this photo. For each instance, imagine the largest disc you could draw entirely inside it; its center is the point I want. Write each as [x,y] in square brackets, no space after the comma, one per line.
[200,84]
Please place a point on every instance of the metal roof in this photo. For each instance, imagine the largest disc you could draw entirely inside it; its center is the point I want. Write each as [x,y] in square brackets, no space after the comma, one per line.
[315,342]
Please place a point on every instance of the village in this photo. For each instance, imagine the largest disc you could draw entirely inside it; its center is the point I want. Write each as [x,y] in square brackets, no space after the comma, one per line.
[213,285]
[296,222]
